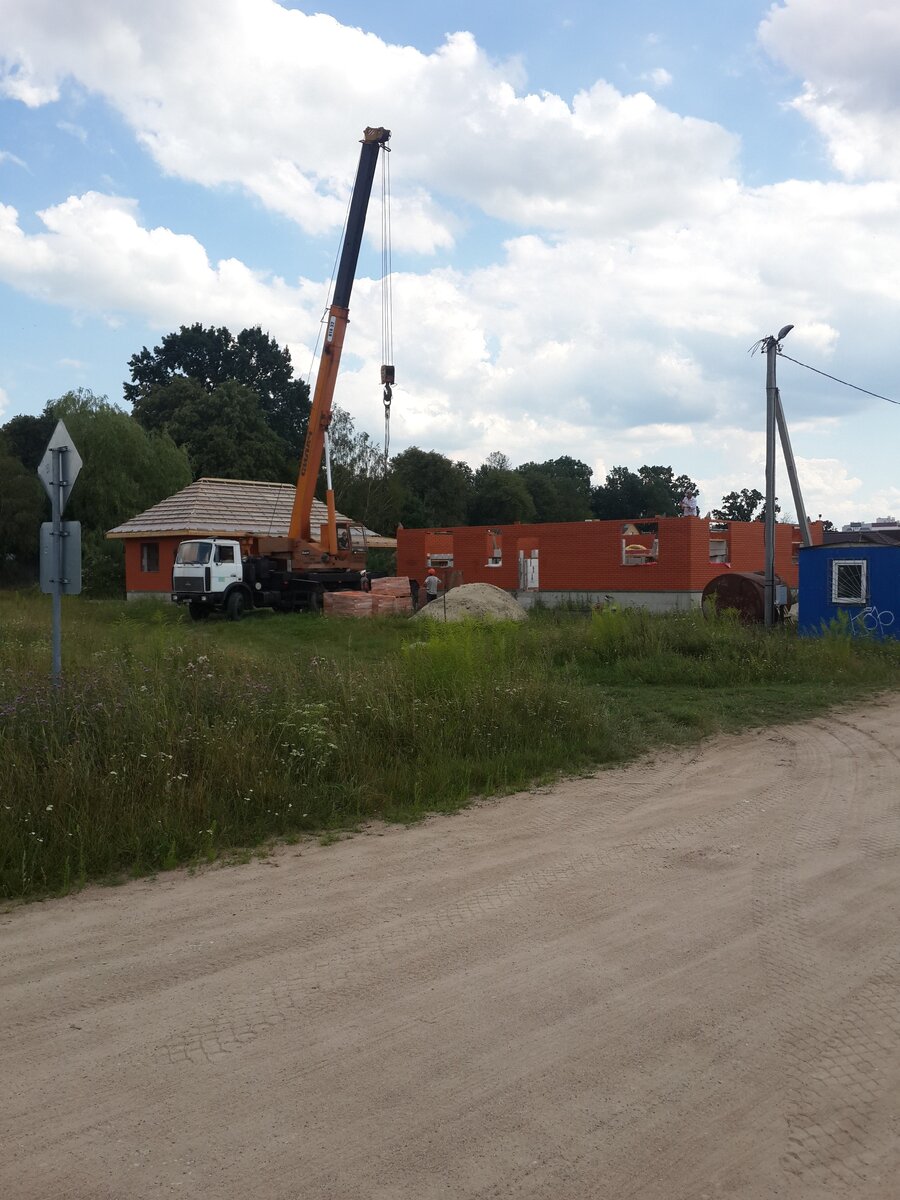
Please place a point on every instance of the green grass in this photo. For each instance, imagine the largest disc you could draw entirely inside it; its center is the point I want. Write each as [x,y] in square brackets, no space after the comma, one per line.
[171,743]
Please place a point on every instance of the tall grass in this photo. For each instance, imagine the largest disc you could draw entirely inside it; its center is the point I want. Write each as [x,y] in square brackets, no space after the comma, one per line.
[170,742]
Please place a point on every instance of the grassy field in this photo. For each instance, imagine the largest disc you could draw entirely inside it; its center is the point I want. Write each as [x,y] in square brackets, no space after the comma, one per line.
[171,742]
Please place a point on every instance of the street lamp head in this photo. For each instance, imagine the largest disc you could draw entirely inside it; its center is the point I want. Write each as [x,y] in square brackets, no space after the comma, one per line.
[783,332]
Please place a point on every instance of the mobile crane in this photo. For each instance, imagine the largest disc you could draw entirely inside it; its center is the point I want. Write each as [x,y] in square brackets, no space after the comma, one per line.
[294,572]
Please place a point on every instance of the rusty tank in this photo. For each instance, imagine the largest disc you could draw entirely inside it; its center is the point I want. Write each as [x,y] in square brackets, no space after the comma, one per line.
[744,593]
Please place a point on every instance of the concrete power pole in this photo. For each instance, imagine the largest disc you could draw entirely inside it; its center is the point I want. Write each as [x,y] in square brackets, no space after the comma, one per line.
[772,344]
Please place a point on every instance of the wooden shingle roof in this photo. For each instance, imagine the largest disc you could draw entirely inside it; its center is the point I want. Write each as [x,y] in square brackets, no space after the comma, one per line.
[227,507]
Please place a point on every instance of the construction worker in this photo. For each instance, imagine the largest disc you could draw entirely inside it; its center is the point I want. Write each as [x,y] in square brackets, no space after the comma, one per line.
[432,583]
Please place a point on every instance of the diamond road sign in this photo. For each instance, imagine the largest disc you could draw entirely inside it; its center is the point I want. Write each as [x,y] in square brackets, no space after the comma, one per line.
[69,464]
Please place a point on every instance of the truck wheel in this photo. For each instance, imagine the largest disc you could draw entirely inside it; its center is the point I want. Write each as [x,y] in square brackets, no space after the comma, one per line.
[198,611]
[235,606]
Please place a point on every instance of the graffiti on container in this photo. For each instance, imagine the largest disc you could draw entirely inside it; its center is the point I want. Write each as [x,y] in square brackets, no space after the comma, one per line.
[872,620]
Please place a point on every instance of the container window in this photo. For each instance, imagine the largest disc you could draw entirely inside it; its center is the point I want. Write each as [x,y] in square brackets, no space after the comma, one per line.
[848,581]
[149,556]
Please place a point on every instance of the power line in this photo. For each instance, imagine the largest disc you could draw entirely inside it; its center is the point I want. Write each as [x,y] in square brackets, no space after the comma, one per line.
[865,391]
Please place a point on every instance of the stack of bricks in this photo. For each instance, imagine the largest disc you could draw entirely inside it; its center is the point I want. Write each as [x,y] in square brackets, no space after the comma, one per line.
[348,604]
[387,597]
[391,595]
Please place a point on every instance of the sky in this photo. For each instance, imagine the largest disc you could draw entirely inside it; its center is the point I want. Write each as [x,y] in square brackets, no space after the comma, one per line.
[596,211]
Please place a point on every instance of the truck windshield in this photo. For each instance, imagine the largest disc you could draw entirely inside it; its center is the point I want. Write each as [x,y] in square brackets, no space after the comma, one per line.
[192,554]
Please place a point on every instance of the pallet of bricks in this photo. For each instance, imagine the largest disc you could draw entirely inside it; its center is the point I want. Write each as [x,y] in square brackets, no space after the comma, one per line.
[388,596]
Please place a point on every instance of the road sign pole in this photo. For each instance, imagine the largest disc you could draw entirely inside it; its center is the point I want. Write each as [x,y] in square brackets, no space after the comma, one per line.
[60,554]
[56,516]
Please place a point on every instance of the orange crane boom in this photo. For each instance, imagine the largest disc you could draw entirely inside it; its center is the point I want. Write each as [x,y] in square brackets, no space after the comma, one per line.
[374,140]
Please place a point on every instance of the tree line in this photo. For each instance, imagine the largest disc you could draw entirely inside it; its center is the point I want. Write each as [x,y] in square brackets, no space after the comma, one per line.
[205,402]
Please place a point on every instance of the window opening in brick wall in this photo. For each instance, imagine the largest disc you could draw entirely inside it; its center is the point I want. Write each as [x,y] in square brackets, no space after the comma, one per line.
[149,556]
[439,550]
[848,581]
[494,548]
[640,544]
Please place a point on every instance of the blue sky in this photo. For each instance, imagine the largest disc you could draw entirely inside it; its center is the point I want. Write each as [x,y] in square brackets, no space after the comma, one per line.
[597,209]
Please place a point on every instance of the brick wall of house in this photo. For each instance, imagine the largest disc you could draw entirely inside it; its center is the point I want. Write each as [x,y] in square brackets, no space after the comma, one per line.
[587,556]
[139,580]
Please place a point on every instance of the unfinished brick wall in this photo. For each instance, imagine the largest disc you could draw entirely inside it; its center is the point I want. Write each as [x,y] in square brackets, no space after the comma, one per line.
[586,556]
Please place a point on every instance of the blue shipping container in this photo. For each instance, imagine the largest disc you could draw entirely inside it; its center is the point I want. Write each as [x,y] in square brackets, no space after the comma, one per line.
[860,580]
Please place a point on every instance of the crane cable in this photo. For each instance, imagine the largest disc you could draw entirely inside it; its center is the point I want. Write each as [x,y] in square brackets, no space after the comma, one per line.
[387,313]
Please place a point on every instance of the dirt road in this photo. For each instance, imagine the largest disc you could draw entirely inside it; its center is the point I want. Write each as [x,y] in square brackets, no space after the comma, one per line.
[670,982]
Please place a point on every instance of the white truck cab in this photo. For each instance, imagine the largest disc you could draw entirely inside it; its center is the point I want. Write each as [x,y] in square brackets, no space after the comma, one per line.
[209,574]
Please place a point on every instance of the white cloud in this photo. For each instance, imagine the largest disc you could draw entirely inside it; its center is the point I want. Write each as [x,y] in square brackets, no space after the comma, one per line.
[4,403]
[94,257]
[616,326]
[287,132]
[659,77]
[846,53]
[76,131]
[8,156]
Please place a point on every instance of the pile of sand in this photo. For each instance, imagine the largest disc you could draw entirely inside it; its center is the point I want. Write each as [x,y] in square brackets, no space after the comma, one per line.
[473,601]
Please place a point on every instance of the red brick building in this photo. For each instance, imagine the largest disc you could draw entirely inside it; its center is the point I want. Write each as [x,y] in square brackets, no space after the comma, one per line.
[660,564]
[232,508]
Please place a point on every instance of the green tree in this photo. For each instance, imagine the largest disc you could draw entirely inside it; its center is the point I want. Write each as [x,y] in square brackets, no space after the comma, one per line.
[433,489]
[213,357]
[745,505]
[560,488]
[622,495]
[500,498]
[649,492]
[23,505]
[26,438]
[665,490]
[125,468]
[223,431]
[363,488]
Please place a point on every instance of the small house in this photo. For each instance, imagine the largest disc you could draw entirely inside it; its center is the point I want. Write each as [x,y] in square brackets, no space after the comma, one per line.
[234,508]
[853,581]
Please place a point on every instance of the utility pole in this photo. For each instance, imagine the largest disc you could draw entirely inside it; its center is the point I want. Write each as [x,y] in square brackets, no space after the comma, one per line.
[772,345]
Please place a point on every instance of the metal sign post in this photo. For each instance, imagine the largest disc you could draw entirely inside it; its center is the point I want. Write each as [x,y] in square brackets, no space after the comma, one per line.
[60,540]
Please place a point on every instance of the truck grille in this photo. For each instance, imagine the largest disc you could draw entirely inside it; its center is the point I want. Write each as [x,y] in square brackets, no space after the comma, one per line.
[187,583]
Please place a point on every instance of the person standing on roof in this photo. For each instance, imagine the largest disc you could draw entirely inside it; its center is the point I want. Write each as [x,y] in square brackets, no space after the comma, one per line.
[432,583]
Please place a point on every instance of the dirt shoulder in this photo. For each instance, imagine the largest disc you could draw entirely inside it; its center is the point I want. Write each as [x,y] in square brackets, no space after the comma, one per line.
[671,981]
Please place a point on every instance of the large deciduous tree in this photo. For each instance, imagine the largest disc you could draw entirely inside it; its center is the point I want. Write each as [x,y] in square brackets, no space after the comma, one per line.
[434,490]
[23,505]
[26,438]
[500,498]
[740,506]
[125,470]
[560,488]
[223,431]
[213,357]
[648,492]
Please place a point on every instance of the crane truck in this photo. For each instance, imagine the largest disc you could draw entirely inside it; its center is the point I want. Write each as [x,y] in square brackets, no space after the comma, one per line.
[232,574]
